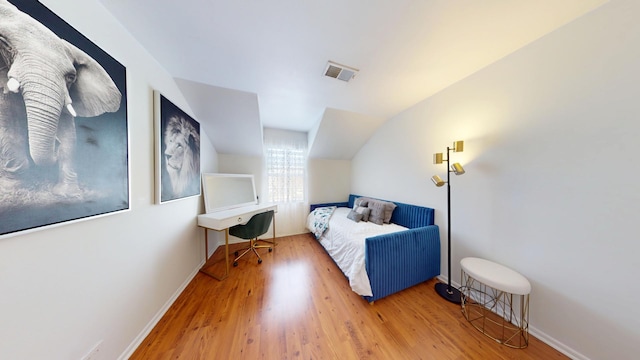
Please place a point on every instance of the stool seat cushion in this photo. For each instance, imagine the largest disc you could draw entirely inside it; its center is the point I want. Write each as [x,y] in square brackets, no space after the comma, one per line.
[496,276]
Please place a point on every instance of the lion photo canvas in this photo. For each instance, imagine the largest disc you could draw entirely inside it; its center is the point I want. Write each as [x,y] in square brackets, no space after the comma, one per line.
[177,152]
[63,122]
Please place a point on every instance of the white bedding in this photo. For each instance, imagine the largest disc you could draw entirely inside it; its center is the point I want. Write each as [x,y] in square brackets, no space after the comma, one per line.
[344,242]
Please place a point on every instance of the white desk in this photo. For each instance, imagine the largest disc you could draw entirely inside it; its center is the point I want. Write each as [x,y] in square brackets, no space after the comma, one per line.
[223,220]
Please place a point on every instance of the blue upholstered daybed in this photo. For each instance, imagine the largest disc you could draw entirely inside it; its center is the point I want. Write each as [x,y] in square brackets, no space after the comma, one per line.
[398,260]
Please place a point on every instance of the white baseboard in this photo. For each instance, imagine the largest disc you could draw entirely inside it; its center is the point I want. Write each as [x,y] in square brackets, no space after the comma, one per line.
[154,321]
[540,335]
[568,351]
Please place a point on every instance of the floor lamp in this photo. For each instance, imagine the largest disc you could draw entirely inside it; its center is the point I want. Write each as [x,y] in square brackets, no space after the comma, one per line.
[446,290]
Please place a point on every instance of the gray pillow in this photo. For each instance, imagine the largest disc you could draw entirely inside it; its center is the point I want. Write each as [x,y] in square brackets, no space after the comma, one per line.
[388,211]
[377,213]
[353,215]
[381,211]
[361,201]
[364,211]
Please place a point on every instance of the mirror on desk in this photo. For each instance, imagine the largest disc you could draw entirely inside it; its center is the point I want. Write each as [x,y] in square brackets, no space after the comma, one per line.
[228,191]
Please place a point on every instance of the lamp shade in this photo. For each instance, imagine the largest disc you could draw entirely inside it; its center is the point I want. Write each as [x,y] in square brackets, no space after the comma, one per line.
[437,180]
[457,169]
[437,158]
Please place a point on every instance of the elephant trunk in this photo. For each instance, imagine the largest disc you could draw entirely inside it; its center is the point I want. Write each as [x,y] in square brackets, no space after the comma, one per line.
[43,101]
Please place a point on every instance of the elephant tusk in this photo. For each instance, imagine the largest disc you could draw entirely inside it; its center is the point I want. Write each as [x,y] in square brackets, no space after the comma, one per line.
[13,85]
[71,110]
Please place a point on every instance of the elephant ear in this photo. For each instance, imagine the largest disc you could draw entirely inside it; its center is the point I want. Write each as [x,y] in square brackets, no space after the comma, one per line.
[93,92]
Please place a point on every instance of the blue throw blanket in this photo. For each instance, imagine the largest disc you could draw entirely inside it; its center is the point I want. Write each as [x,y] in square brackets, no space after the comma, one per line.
[319,221]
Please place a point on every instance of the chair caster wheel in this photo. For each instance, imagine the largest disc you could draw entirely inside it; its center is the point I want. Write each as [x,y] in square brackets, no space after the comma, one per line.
[259,261]
[235,253]
[235,263]
[270,249]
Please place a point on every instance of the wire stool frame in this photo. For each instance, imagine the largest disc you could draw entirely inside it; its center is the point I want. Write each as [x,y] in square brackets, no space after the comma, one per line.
[494,313]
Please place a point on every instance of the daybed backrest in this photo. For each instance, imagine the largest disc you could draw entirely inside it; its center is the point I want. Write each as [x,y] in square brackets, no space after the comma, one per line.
[336,204]
[410,216]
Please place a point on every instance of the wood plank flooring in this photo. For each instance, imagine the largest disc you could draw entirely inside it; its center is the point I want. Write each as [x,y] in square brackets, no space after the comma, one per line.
[297,304]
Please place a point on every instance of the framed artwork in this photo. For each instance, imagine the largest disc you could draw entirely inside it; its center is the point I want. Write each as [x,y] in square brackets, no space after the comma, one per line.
[63,123]
[177,145]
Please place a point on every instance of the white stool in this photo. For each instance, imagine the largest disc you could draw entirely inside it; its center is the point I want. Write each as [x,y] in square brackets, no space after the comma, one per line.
[488,291]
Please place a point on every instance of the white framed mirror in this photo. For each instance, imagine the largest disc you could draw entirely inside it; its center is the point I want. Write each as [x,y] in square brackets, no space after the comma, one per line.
[228,191]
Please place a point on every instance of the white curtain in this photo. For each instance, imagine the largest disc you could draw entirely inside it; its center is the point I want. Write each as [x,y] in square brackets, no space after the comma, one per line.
[285,178]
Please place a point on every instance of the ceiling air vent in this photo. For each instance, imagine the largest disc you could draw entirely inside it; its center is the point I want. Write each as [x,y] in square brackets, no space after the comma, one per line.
[340,72]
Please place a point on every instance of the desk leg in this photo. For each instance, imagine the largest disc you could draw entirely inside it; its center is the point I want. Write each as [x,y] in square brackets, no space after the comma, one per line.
[274,231]
[226,255]
[226,252]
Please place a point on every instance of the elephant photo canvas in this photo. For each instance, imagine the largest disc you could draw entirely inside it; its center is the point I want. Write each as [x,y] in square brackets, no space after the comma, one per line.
[177,152]
[63,123]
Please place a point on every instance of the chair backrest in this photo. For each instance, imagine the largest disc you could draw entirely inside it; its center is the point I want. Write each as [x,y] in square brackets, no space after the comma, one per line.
[256,226]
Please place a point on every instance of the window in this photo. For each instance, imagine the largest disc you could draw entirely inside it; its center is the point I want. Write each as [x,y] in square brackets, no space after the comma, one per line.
[285,165]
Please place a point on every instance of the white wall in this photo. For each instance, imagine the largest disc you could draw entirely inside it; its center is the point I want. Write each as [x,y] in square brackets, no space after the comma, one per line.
[551,187]
[64,289]
[329,180]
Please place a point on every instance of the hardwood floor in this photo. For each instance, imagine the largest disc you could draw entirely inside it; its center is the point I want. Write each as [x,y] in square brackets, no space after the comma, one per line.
[297,304]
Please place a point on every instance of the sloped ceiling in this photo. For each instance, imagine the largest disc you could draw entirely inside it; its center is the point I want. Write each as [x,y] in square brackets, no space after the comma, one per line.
[406,50]
[340,134]
[230,118]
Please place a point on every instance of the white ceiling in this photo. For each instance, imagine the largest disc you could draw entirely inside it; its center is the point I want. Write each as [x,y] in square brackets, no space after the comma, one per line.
[264,60]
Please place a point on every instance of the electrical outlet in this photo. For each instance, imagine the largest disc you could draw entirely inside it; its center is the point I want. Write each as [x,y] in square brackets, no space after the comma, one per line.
[94,353]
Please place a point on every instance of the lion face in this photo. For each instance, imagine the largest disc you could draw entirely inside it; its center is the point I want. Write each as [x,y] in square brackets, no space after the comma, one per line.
[182,155]
[175,148]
